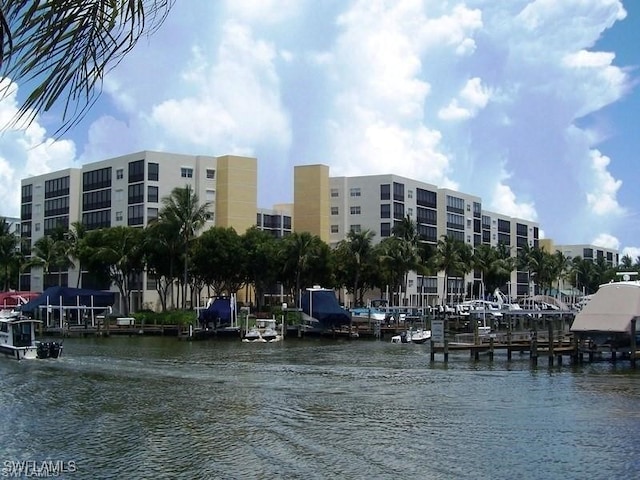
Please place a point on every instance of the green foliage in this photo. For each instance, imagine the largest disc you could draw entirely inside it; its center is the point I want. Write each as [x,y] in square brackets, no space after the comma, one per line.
[63,49]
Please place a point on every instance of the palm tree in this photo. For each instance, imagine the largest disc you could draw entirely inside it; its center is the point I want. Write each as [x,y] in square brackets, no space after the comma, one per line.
[183,211]
[64,49]
[449,259]
[9,243]
[75,237]
[297,251]
[355,254]
[49,254]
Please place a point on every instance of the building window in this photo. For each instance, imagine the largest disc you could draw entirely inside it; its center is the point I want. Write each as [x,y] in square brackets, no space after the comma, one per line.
[152,214]
[410,212]
[355,228]
[119,216]
[186,172]
[154,171]
[355,210]
[119,195]
[409,193]
[334,193]
[136,193]
[334,229]
[398,191]
[426,198]
[385,210]
[136,215]
[355,192]
[334,210]
[210,195]
[385,229]
[385,192]
[119,173]
[136,171]
[455,204]
[37,227]
[152,194]
[211,174]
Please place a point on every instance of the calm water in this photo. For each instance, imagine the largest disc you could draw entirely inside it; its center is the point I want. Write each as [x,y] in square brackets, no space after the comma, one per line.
[160,408]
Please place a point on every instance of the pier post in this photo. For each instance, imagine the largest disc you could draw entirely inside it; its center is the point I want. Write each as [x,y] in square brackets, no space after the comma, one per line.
[446,350]
[550,333]
[491,349]
[509,344]
[633,342]
[432,353]
[533,349]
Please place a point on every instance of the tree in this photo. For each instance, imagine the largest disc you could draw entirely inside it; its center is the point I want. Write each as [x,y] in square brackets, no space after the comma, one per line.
[449,259]
[260,248]
[51,255]
[162,247]
[9,254]
[118,253]
[75,238]
[304,260]
[63,49]
[355,254]
[182,210]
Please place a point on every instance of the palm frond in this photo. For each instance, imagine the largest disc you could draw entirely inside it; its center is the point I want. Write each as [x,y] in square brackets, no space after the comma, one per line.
[61,50]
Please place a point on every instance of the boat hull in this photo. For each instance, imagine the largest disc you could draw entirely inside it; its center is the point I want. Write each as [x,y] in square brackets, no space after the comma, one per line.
[19,353]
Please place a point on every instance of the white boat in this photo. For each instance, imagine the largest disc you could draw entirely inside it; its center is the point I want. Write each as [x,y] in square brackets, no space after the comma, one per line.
[412,336]
[263,331]
[253,335]
[18,338]
[268,331]
[420,336]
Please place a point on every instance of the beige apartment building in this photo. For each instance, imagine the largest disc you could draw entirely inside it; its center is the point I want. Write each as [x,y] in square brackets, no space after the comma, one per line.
[378,202]
[128,191]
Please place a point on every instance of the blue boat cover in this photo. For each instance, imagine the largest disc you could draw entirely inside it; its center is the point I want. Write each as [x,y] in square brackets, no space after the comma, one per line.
[326,309]
[69,297]
[219,313]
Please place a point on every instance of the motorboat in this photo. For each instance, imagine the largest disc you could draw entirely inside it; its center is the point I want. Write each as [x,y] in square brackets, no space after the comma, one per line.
[412,336]
[253,335]
[420,336]
[18,338]
[263,331]
[267,328]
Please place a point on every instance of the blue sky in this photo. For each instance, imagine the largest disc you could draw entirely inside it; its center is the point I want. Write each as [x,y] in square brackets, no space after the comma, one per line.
[532,105]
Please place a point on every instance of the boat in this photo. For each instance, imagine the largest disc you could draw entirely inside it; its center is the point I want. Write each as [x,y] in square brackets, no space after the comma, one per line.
[412,336]
[321,310]
[267,328]
[420,336]
[253,335]
[18,338]
[610,317]
[263,331]
[368,313]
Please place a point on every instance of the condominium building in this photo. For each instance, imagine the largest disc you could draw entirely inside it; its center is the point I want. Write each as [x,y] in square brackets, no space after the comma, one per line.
[379,202]
[128,191]
[585,251]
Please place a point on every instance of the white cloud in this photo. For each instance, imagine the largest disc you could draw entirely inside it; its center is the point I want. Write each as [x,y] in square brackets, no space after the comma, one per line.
[606,240]
[25,151]
[633,252]
[236,102]
[504,201]
[472,98]
[602,198]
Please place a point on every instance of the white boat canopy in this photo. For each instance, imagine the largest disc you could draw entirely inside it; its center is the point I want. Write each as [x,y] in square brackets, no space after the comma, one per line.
[611,309]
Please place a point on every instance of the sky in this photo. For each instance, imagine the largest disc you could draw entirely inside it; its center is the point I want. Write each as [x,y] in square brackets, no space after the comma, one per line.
[533,105]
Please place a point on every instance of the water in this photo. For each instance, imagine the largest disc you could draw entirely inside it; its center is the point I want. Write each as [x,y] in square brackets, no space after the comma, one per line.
[159,408]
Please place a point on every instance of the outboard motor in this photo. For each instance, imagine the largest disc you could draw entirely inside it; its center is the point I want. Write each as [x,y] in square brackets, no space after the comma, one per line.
[54,349]
[404,337]
[43,350]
